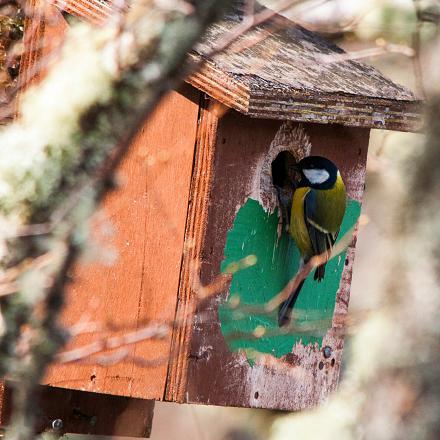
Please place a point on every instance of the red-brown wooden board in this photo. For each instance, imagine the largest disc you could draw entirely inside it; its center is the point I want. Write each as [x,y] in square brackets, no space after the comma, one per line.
[196,229]
[148,213]
[213,374]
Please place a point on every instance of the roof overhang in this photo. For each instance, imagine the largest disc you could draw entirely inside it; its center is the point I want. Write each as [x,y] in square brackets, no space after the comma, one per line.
[279,70]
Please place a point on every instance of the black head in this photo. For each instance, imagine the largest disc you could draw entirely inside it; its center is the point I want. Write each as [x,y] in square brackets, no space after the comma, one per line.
[317,172]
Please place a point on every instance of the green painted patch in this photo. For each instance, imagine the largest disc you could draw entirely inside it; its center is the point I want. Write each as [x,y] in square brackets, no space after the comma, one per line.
[254,233]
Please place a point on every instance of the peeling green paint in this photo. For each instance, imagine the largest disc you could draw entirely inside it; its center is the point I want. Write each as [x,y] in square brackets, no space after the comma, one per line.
[242,316]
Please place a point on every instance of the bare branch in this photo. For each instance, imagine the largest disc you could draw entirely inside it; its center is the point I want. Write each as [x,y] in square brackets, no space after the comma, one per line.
[155,331]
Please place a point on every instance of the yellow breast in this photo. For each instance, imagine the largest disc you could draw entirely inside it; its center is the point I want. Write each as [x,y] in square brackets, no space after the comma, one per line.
[298,228]
[327,216]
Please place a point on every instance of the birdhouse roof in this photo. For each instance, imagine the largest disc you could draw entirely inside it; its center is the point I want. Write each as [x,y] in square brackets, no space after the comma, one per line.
[277,69]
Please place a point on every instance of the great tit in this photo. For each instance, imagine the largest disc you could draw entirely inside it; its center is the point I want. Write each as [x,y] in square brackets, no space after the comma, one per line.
[318,207]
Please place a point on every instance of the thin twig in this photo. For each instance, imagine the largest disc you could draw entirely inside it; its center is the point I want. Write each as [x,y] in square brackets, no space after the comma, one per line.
[382,48]
[155,331]
[305,270]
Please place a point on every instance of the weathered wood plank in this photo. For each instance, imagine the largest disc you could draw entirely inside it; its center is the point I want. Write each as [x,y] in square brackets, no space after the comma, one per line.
[148,214]
[290,73]
[284,56]
[217,373]
[303,106]
[196,228]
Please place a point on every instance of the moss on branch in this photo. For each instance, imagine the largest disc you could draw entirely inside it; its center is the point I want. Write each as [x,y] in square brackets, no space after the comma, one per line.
[59,157]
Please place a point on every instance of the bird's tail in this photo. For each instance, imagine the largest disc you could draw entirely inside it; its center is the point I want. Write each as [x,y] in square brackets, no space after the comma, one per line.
[285,310]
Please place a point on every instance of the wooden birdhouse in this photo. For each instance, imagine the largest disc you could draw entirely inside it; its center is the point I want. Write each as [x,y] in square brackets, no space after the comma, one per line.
[198,211]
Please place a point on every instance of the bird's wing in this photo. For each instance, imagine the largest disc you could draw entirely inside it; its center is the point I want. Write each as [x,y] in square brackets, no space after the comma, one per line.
[321,239]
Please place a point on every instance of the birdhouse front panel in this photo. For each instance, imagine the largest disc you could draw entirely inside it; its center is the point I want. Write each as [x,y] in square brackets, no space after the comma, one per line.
[237,354]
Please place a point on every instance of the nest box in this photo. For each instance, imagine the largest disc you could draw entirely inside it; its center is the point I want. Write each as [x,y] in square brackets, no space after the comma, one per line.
[199,198]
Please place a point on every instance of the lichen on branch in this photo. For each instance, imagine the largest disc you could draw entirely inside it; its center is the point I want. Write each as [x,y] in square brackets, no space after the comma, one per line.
[58,161]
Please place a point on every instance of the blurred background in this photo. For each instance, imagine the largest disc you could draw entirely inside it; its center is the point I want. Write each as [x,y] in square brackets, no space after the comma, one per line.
[354,26]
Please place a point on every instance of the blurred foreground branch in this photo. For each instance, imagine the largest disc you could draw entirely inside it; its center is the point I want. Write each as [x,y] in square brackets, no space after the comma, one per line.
[58,162]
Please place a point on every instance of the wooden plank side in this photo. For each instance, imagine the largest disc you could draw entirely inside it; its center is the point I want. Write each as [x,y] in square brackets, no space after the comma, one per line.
[266,100]
[304,376]
[80,412]
[148,214]
[194,238]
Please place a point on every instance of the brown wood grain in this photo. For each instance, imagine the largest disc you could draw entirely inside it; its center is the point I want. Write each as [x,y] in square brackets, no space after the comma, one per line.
[81,412]
[147,214]
[196,228]
[215,375]
[280,70]
[265,100]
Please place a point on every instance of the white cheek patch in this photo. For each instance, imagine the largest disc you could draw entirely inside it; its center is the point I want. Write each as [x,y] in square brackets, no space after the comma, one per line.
[316,175]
